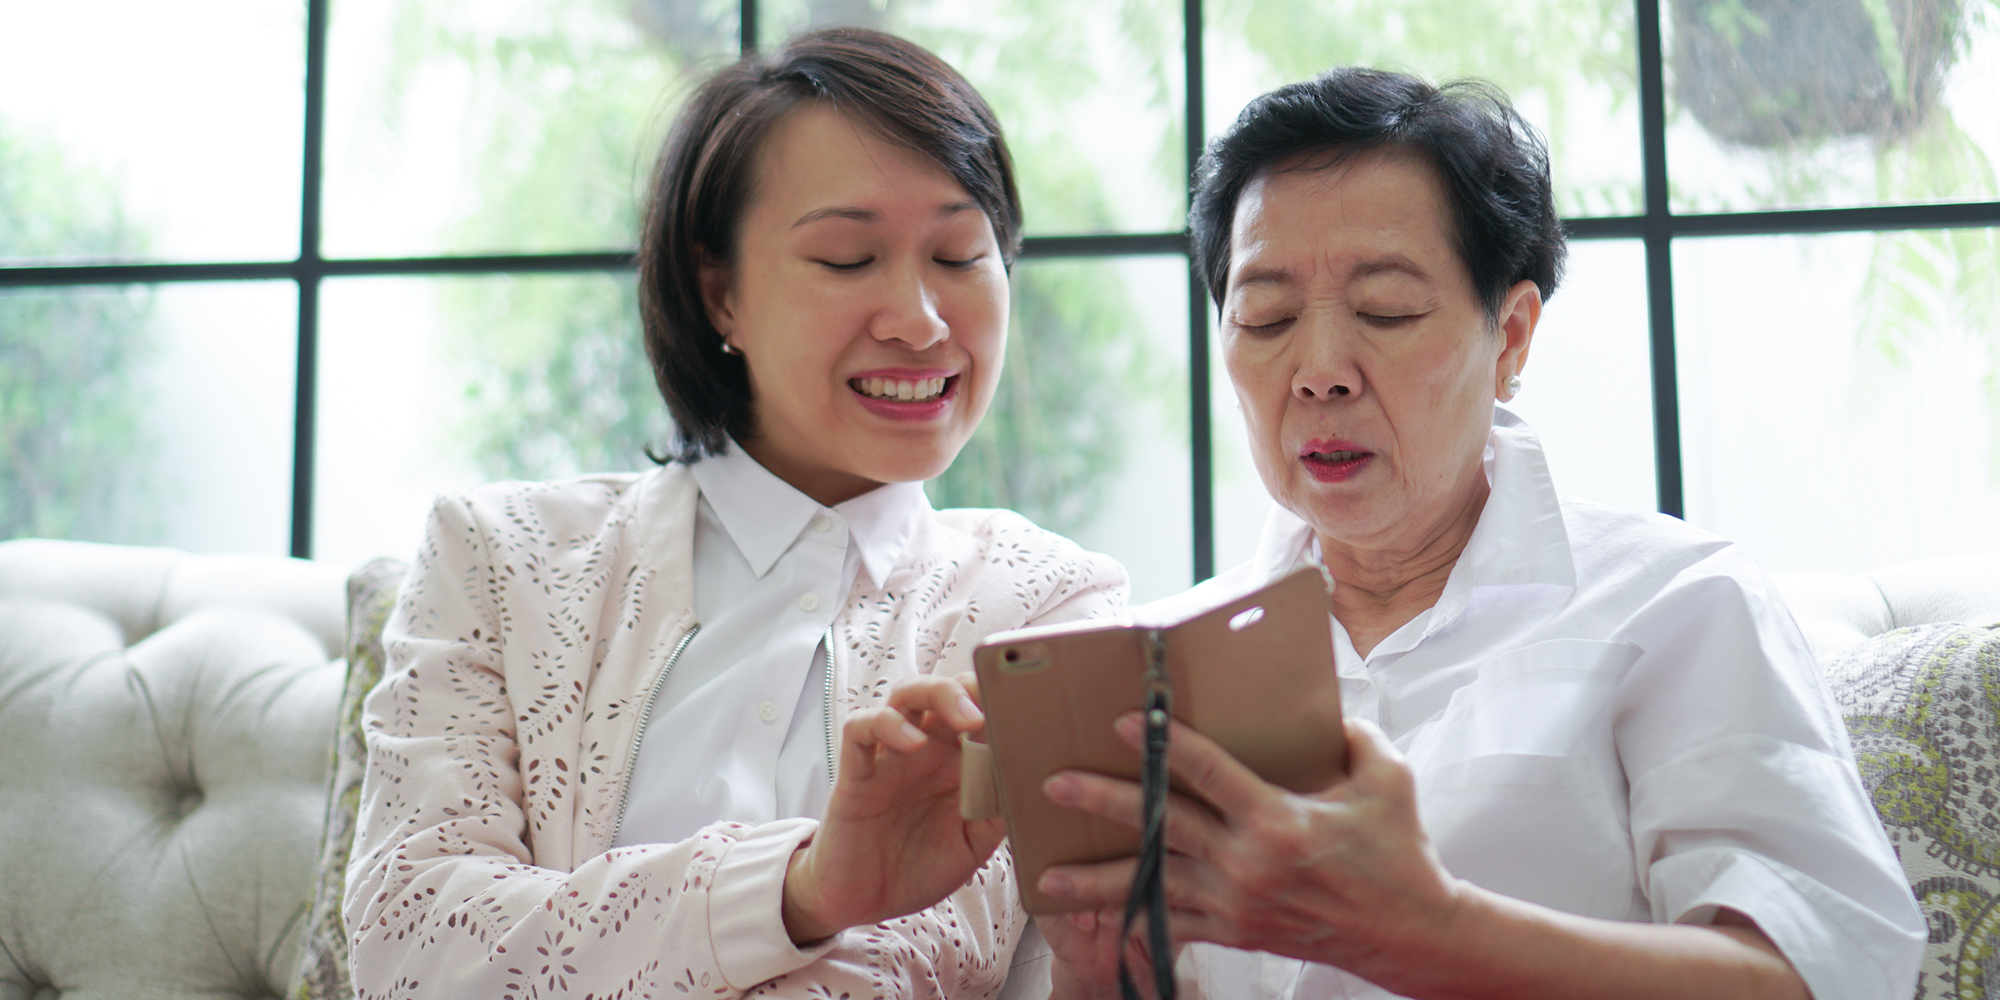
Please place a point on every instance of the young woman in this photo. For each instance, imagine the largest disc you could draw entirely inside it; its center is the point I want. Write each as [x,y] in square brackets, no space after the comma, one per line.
[608,723]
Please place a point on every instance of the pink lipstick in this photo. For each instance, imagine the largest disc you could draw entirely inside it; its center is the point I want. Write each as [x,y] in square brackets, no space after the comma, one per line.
[905,393]
[1334,460]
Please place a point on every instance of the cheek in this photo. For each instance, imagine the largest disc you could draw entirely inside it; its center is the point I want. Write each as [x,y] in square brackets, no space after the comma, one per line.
[979,323]
[1263,388]
[1446,404]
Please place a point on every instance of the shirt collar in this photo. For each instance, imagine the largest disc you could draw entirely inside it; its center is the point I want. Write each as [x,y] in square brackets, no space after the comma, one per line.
[764,515]
[1520,538]
[880,522]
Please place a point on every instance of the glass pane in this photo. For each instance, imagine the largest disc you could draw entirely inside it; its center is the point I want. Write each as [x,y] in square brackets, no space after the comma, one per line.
[150,415]
[1778,104]
[1586,390]
[435,384]
[1088,435]
[1569,65]
[458,126]
[152,131]
[1089,94]
[1840,395]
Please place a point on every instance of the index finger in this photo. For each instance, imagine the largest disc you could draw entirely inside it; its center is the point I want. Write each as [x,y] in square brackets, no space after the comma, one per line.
[1204,767]
[941,697]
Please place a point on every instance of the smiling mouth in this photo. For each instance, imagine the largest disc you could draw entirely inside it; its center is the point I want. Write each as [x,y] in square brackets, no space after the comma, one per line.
[896,390]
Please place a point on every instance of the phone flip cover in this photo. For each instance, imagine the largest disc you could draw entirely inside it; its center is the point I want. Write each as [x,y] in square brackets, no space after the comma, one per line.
[1255,674]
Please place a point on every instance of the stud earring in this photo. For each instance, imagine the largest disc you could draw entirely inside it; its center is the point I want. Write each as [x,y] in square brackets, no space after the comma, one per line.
[1512,385]
[730,349]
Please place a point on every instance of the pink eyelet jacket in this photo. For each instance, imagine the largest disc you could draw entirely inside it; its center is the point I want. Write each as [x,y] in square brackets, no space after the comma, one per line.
[533,627]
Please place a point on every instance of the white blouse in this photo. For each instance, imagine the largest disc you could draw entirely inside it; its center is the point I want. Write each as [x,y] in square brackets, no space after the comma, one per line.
[1613,714]
[737,730]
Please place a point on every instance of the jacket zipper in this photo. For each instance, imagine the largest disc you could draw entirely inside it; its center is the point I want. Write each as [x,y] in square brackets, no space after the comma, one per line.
[645,716]
[827,705]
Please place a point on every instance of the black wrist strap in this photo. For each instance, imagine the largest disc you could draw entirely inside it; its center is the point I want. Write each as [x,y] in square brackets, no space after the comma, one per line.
[1149,883]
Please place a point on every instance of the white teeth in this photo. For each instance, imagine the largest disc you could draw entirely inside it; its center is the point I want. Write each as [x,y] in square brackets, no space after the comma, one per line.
[901,390]
[1336,456]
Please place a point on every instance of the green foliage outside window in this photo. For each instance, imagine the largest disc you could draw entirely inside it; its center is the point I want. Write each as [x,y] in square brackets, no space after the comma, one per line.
[558,381]
[74,454]
[1811,89]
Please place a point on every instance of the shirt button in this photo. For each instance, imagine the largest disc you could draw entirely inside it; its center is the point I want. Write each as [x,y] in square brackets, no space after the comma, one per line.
[822,523]
[808,602]
[768,711]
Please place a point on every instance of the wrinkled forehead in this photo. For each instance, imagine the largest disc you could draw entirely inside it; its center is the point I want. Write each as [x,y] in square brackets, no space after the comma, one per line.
[1376,204]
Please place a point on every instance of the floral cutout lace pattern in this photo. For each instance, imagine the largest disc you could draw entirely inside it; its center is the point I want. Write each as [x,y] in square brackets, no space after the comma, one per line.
[521,654]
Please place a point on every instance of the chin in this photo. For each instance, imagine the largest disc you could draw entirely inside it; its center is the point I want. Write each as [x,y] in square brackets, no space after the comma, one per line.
[909,469]
[1338,519]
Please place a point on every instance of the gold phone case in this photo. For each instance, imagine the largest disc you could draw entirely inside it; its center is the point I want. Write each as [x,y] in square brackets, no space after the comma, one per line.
[1255,674]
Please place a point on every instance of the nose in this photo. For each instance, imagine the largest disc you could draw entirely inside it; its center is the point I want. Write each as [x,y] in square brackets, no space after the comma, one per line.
[909,312]
[1325,367]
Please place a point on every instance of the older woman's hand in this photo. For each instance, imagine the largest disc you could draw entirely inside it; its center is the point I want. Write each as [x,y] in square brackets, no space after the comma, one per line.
[1345,877]
[1086,945]
[891,840]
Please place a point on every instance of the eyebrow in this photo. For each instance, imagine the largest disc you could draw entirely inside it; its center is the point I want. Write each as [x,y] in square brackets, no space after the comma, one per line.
[1393,263]
[869,215]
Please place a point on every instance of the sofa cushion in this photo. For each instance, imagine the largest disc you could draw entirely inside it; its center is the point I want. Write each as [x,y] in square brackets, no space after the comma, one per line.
[1923,710]
[1838,610]
[371,593]
[162,774]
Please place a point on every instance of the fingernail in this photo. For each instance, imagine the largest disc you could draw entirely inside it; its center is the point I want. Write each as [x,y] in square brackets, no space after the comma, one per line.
[1056,884]
[913,734]
[971,710]
[1060,788]
[1131,726]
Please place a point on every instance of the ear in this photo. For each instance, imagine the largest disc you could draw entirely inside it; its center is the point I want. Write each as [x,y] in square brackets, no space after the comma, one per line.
[718,292]
[1520,312]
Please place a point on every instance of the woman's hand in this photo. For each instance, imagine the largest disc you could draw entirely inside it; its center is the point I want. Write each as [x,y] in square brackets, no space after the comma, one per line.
[1086,944]
[1345,877]
[891,841]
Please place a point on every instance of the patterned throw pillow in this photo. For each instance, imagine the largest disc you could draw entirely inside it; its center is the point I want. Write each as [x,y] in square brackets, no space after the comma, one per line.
[1923,709]
[371,593]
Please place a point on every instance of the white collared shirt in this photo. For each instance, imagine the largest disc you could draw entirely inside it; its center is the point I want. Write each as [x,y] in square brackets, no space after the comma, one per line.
[1612,714]
[738,730]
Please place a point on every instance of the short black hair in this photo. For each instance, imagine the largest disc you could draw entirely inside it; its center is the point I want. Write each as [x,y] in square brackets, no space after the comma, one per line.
[1492,163]
[701,188]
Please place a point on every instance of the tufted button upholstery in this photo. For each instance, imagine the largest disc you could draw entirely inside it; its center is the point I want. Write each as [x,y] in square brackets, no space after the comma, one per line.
[1838,610]
[165,725]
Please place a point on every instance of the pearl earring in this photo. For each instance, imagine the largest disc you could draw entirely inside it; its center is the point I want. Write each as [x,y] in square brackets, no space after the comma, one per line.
[729,349]
[1512,385]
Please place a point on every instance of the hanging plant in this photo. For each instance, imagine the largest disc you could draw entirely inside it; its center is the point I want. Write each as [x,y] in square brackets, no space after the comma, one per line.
[1777,74]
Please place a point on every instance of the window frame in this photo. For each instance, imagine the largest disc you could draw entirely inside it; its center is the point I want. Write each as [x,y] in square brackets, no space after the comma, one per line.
[1657,227]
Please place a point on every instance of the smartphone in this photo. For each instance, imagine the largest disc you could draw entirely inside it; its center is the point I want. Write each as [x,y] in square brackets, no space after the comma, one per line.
[1255,674]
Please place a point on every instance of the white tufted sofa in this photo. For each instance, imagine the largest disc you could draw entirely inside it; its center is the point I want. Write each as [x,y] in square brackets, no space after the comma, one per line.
[166,724]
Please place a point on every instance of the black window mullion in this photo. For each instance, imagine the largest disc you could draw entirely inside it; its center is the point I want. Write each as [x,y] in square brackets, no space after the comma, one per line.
[1202,506]
[746,26]
[1659,261]
[308,274]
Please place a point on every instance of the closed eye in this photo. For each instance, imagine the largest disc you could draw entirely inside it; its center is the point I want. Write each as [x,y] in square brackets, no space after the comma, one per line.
[1388,320]
[1266,329]
[835,265]
[960,265]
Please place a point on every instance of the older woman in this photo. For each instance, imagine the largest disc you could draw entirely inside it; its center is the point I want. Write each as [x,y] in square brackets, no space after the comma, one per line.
[1592,756]
[602,758]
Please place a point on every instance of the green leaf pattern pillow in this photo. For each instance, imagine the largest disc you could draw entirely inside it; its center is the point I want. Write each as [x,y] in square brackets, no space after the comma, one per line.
[371,593]
[1922,706]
